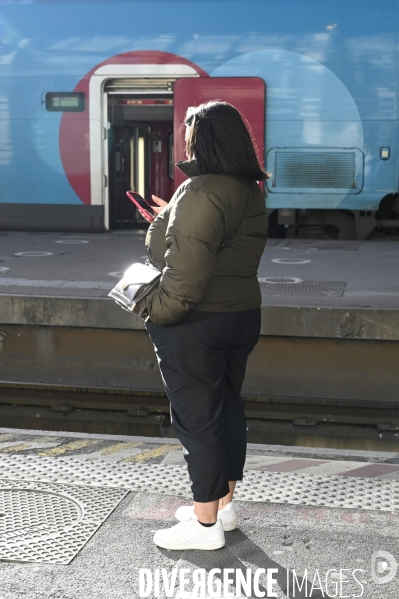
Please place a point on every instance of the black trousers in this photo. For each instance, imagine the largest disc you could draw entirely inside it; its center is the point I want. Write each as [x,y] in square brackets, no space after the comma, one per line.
[202,359]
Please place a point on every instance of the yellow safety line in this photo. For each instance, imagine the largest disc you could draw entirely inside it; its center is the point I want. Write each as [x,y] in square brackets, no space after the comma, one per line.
[79,444]
[11,448]
[120,447]
[151,453]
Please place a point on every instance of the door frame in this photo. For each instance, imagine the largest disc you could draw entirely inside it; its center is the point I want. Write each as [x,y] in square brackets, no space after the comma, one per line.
[98,111]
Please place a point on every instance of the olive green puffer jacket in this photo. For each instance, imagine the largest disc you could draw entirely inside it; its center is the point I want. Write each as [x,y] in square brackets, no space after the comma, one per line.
[185,242]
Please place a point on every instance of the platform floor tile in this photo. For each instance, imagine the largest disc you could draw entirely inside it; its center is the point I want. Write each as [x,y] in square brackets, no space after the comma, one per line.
[47,522]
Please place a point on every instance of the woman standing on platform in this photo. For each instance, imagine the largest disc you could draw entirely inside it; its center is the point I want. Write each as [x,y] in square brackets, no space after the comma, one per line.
[204,319]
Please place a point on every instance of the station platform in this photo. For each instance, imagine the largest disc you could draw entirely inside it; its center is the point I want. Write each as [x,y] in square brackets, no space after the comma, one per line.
[335,289]
[330,326]
[78,513]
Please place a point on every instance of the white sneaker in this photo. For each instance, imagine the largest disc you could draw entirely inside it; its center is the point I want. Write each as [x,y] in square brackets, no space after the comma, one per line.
[190,534]
[227,515]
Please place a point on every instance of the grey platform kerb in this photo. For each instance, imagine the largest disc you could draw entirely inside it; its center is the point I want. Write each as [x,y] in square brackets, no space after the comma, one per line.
[279,321]
[293,489]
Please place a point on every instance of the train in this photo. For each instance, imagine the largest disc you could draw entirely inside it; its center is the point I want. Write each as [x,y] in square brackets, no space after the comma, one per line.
[93,96]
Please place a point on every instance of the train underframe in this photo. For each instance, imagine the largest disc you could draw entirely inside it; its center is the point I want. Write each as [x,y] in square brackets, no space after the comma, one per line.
[337,224]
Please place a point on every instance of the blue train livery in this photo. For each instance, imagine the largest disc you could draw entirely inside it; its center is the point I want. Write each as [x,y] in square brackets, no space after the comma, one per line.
[93,95]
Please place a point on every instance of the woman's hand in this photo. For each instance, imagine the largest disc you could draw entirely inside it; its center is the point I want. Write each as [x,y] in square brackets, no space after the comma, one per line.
[155,209]
[161,204]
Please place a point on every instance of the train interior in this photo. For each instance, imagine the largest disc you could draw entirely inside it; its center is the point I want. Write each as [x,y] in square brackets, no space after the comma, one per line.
[140,146]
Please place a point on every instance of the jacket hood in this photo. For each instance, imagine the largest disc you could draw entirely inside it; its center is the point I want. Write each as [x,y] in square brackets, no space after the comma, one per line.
[188,167]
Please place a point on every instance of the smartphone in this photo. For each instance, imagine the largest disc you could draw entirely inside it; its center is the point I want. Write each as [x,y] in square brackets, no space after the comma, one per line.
[139,201]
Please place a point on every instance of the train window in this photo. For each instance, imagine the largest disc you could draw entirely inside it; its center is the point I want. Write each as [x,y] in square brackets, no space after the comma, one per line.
[65,101]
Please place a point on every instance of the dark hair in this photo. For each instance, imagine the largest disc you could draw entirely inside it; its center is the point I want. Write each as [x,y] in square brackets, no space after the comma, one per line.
[219,140]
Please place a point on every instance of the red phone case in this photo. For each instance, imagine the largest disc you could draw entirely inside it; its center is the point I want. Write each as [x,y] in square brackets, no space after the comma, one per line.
[150,216]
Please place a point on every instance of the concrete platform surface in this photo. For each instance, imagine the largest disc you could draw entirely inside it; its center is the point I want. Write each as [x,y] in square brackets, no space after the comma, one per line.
[71,265]
[329,551]
[309,288]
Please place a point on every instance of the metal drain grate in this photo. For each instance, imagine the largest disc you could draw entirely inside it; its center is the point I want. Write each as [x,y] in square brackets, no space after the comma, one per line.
[274,487]
[322,245]
[49,522]
[303,288]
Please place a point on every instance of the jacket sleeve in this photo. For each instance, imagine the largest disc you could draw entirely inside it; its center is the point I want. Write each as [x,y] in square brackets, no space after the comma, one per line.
[155,239]
[193,236]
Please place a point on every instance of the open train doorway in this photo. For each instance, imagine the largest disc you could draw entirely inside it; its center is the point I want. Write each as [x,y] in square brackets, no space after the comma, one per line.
[140,148]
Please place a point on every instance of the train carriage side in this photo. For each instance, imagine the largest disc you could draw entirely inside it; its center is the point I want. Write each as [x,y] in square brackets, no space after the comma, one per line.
[88,107]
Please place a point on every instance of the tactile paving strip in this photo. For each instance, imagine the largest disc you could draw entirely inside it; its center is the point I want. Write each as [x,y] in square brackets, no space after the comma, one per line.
[274,487]
[305,288]
[48,522]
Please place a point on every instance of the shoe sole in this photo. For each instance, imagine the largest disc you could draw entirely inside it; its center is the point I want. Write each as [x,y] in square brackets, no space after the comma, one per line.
[176,547]
[229,527]
[226,527]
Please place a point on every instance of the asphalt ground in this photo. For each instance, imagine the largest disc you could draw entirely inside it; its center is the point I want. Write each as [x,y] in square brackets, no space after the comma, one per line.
[345,543]
[343,552]
[88,265]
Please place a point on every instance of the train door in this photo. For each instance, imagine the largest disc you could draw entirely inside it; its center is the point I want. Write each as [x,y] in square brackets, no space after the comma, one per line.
[248,94]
